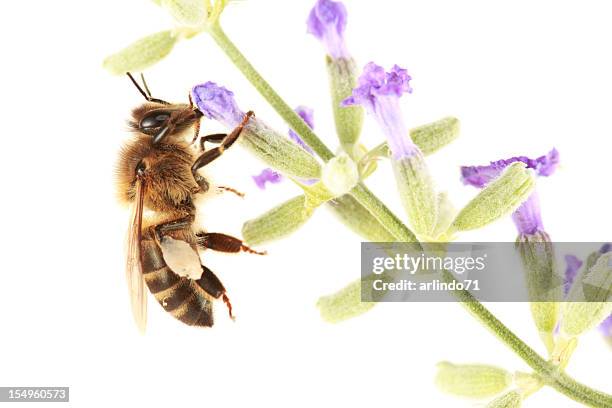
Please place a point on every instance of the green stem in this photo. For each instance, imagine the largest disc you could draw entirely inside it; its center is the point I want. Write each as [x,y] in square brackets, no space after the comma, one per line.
[293,119]
[551,375]
[379,210]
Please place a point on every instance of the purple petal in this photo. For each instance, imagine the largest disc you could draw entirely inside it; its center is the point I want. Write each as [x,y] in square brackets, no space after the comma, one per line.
[527,217]
[606,328]
[375,82]
[218,103]
[605,248]
[308,115]
[267,176]
[572,266]
[379,92]
[479,176]
[327,21]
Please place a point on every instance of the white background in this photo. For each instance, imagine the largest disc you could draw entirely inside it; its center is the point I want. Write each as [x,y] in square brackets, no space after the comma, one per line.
[522,76]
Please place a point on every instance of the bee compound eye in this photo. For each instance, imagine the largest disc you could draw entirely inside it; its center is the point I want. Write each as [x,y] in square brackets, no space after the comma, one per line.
[154,120]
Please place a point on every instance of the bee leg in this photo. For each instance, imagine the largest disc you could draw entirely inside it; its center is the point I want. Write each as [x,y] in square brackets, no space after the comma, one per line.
[159,230]
[214,138]
[213,286]
[202,182]
[210,155]
[223,243]
[221,189]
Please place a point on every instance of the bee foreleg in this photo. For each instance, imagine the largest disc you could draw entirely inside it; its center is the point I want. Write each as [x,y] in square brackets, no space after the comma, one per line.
[210,155]
[213,286]
[223,243]
[214,138]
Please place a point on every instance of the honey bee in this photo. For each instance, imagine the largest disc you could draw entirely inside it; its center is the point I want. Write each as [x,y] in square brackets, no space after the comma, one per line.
[157,171]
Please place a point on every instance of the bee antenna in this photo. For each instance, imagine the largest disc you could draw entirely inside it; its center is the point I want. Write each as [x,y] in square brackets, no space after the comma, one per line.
[147,94]
[146,87]
[137,85]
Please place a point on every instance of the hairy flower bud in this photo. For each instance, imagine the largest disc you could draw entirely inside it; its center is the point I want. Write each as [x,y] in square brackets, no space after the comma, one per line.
[500,197]
[431,137]
[340,175]
[545,287]
[589,301]
[277,223]
[511,399]
[191,13]
[472,380]
[349,119]
[356,217]
[142,53]
[344,304]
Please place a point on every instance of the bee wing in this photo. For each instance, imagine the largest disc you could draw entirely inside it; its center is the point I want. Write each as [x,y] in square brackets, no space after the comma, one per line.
[133,271]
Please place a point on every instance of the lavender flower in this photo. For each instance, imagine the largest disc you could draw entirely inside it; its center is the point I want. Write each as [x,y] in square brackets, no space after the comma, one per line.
[572,266]
[479,176]
[217,102]
[527,217]
[606,329]
[307,114]
[327,21]
[535,248]
[267,176]
[278,151]
[379,93]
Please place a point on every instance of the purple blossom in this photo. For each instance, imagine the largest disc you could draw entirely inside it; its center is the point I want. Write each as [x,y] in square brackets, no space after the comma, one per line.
[606,329]
[267,176]
[479,176]
[379,93]
[327,21]
[308,115]
[572,266]
[527,217]
[217,102]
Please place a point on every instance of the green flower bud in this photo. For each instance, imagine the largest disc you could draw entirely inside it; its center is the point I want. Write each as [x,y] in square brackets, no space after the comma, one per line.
[474,380]
[527,383]
[349,120]
[433,136]
[357,218]
[511,399]
[278,151]
[544,286]
[417,194]
[446,215]
[344,304]
[187,12]
[589,301]
[340,175]
[429,139]
[499,198]
[277,223]
[141,54]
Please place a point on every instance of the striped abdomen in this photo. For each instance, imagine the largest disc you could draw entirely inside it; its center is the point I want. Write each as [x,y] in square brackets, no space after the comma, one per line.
[180,296]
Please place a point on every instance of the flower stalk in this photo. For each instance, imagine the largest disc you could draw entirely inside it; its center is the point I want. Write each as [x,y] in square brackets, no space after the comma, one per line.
[549,373]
